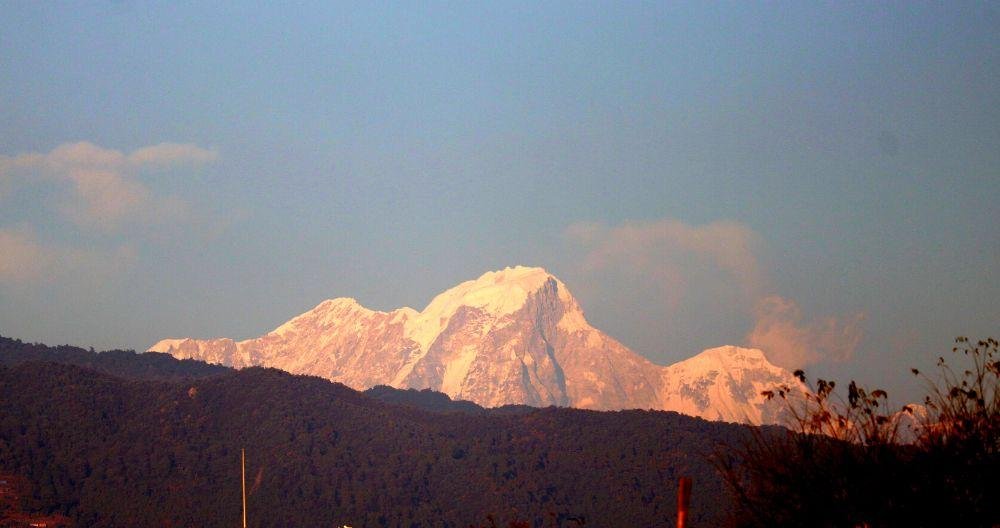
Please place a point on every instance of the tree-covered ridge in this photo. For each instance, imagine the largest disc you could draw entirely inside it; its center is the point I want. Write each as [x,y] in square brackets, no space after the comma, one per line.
[124,363]
[425,399]
[111,451]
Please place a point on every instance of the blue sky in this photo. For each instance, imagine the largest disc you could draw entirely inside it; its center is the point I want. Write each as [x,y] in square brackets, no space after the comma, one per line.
[821,180]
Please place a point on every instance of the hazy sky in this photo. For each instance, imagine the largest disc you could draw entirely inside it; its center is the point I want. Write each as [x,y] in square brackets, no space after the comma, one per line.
[822,182]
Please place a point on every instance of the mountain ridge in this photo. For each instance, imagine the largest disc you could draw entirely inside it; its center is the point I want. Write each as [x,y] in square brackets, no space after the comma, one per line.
[512,336]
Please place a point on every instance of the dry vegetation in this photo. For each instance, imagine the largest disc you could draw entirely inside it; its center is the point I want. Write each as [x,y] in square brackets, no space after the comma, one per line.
[857,462]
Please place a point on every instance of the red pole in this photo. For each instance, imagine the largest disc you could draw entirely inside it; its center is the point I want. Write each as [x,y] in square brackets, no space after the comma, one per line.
[683,500]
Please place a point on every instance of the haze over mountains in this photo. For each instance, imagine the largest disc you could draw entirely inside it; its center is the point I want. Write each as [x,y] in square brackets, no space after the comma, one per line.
[514,336]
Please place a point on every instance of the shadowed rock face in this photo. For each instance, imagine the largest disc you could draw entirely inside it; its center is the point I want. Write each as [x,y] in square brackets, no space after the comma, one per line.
[515,336]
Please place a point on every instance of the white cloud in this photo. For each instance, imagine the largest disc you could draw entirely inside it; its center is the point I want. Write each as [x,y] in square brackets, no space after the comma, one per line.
[103,188]
[668,251]
[701,271]
[172,153]
[793,343]
[93,187]
[81,155]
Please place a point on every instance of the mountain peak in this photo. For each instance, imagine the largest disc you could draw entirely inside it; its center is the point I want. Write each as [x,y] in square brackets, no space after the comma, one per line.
[725,383]
[729,357]
[339,302]
[495,292]
[514,335]
[733,354]
[164,345]
[521,275]
[327,313]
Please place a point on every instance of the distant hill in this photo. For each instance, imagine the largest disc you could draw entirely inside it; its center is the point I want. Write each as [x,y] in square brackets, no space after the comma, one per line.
[425,399]
[124,363]
[152,449]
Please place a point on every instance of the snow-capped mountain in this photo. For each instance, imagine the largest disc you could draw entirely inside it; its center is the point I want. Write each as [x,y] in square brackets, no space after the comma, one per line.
[725,383]
[515,336]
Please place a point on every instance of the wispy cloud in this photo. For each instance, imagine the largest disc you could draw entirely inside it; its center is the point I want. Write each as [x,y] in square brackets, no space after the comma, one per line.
[719,262]
[171,154]
[791,342]
[94,188]
[103,189]
[669,252]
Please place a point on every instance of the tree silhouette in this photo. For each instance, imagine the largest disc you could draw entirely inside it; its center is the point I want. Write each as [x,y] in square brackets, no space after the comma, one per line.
[855,462]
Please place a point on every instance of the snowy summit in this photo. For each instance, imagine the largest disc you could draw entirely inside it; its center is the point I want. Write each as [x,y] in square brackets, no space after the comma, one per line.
[513,336]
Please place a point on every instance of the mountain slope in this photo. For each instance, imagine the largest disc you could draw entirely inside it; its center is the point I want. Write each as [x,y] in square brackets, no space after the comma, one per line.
[514,336]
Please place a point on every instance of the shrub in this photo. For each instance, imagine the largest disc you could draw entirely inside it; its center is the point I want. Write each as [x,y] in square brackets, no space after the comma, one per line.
[851,462]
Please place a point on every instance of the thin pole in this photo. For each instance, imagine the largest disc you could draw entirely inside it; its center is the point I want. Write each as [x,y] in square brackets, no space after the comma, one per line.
[683,499]
[243,465]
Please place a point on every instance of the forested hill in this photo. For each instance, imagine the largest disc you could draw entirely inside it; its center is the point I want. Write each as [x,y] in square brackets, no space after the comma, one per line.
[159,366]
[124,363]
[424,399]
[111,451]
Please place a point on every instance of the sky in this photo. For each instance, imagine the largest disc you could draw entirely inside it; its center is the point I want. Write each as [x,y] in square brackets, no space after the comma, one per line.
[820,181]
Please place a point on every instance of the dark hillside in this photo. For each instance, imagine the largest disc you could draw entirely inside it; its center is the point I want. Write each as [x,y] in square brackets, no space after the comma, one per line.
[425,399]
[108,451]
[123,363]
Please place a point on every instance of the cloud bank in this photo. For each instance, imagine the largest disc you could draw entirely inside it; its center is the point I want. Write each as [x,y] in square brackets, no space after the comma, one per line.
[93,188]
[101,188]
[714,266]
[789,341]
[668,250]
